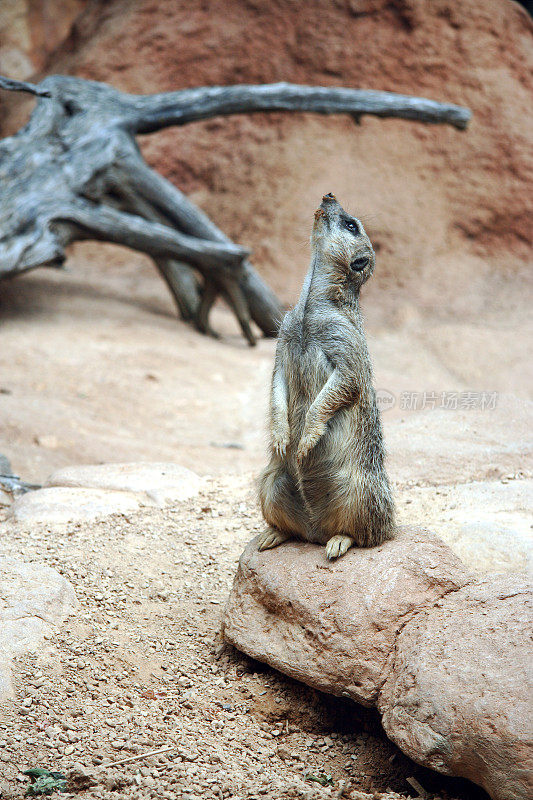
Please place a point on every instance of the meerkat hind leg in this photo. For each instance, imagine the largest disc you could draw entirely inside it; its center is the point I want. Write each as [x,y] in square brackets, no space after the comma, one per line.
[338,545]
[272,538]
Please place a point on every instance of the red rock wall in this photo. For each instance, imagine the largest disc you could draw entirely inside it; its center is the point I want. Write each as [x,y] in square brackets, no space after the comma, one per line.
[437,202]
[30,30]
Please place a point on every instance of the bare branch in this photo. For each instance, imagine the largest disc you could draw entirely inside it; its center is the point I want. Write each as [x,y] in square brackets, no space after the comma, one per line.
[75,172]
[183,286]
[168,199]
[152,188]
[178,108]
[108,224]
[179,277]
[265,308]
[22,86]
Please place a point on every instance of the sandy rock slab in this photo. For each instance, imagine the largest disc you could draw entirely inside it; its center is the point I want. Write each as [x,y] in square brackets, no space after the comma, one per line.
[91,491]
[34,601]
[405,627]
[60,505]
[459,697]
[486,523]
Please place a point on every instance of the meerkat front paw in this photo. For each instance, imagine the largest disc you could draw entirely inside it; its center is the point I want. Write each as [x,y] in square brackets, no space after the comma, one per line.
[280,443]
[272,538]
[338,545]
[308,441]
[305,445]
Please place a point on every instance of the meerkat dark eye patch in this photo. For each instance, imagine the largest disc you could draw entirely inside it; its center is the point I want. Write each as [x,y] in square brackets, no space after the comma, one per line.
[358,264]
[351,225]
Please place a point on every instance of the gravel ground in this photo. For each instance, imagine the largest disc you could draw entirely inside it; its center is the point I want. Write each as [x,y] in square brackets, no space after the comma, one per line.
[141,667]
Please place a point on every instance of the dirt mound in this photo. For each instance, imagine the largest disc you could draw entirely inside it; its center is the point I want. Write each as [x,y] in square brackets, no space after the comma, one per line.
[430,196]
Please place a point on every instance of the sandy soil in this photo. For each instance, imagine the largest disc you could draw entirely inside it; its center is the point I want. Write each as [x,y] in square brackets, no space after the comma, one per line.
[141,666]
[96,368]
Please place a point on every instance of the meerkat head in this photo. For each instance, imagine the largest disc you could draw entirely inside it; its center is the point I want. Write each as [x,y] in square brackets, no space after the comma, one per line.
[341,244]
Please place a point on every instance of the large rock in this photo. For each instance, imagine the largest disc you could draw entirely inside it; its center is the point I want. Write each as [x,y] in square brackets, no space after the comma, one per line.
[34,601]
[459,695]
[60,505]
[406,628]
[333,625]
[486,523]
[155,482]
[88,492]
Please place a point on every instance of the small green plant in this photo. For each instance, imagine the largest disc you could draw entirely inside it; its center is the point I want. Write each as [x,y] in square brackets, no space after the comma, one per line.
[44,782]
[323,780]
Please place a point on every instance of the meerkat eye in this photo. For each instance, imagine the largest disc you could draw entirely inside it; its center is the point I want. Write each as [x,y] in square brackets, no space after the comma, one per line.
[351,226]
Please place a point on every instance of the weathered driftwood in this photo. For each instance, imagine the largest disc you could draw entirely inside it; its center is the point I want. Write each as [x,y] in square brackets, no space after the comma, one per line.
[75,172]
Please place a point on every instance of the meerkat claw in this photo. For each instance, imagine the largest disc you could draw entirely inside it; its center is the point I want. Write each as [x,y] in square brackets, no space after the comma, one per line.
[306,444]
[280,447]
[338,546]
[301,453]
[272,538]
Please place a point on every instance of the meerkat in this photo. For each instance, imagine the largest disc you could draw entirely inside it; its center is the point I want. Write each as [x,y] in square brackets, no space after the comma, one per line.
[326,481]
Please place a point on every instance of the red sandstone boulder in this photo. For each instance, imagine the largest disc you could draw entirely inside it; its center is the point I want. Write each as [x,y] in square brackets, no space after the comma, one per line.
[333,624]
[459,695]
[404,627]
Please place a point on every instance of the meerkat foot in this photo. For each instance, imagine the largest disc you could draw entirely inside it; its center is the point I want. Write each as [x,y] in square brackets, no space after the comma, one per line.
[338,545]
[272,538]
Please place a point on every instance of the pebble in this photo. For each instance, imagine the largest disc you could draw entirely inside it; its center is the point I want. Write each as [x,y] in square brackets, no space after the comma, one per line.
[69,749]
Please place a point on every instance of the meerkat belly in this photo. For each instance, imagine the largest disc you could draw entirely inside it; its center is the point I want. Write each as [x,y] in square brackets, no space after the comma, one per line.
[335,479]
[309,371]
